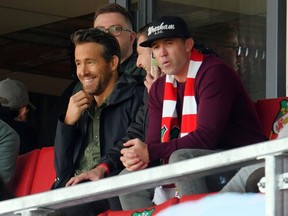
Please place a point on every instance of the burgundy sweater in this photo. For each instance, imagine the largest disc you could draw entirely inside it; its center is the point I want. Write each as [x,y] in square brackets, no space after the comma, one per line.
[226,116]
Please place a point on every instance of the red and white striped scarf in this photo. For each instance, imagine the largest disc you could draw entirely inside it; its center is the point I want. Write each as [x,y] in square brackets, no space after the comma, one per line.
[170,125]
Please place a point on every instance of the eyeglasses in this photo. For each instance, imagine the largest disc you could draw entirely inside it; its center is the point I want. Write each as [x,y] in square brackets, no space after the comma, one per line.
[239,50]
[114,30]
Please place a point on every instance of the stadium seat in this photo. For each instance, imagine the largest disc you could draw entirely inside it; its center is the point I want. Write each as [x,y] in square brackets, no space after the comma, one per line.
[26,164]
[153,210]
[45,172]
[34,173]
[194,197]
[273,115]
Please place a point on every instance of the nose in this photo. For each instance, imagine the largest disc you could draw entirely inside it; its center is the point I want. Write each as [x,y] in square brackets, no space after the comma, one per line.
[82,69]
[138,62]
[162,51]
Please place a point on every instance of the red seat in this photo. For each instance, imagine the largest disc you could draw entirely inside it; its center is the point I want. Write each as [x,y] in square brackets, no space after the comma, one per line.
[34,172]
[194,197]
[45,171]
[273,115]
[153,210]
[26,164]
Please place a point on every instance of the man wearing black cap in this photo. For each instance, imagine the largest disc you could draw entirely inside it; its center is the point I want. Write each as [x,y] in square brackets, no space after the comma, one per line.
[14,107]
[198,107]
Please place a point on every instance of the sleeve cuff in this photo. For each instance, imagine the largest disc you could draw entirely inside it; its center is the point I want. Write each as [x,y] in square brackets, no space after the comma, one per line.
[106,166]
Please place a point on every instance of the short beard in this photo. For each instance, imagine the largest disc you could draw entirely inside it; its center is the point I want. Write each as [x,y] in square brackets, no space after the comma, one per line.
[100,86]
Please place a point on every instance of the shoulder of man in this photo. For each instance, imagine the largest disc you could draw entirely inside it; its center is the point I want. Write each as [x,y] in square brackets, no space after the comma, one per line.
[129,67]
[130,80]
[8,133]
[126,87]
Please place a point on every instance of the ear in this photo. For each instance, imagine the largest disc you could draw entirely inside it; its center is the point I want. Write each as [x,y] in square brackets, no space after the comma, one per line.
[114,62]
[132,37]
[189,43]
[22,114]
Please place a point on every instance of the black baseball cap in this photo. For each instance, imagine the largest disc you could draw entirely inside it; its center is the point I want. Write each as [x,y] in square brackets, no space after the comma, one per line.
[166,27]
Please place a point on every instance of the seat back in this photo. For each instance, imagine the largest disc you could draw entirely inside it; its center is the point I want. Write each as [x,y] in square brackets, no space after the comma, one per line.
[21,183]
[273,115]
[153,210]
[45,172]
[195,197]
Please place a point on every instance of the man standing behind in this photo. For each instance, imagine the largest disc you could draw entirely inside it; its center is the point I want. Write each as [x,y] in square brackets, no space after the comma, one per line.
[117,20]
[97,116]
[199,107]
[138,128]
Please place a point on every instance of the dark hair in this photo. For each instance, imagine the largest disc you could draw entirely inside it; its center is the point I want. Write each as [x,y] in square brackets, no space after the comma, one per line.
[143,30]
[115,8]
[108,41]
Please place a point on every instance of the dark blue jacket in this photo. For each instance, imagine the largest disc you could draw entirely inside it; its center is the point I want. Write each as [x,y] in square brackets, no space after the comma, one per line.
[115,118]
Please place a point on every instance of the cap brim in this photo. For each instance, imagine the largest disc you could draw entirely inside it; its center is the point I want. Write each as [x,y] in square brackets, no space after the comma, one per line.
[148,43]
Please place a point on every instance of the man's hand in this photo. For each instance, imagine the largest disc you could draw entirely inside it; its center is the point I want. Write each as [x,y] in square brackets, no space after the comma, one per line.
[135,156]
[91,175]
[151,78]
[77,104]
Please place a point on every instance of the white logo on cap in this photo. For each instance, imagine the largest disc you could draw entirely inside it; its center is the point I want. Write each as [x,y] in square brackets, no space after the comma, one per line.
[159,29]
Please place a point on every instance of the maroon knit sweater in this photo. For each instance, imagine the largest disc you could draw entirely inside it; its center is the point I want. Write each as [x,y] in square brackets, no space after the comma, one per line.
[226,116]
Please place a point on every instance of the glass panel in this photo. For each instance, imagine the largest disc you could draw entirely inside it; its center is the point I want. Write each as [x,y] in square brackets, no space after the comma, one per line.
[248,17]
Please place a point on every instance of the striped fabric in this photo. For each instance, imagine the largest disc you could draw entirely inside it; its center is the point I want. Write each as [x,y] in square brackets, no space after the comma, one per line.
[170,125]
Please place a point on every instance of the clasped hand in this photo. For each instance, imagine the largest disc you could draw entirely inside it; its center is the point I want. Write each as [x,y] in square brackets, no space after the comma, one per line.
[135,156]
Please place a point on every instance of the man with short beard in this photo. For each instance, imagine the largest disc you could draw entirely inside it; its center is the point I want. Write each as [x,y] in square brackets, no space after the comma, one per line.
[101,108]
